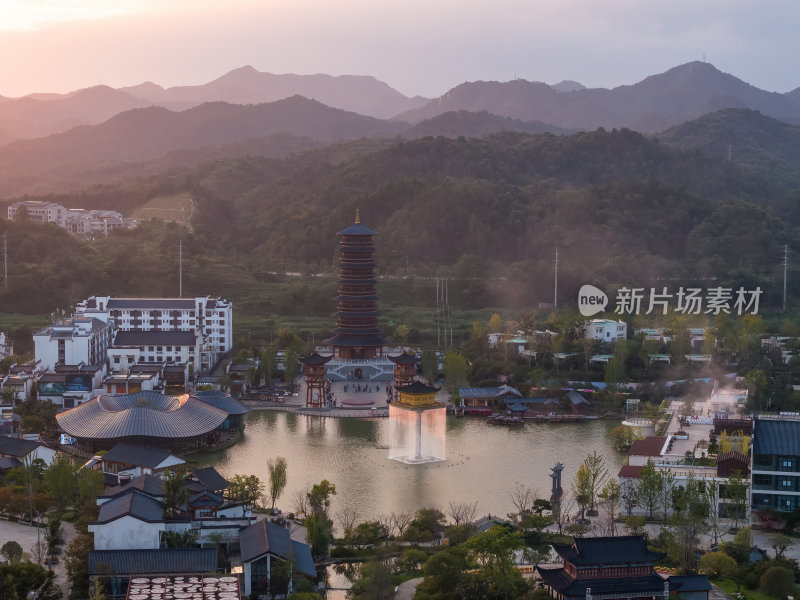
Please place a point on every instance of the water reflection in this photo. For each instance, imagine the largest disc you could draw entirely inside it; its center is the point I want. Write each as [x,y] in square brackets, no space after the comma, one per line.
[483,463]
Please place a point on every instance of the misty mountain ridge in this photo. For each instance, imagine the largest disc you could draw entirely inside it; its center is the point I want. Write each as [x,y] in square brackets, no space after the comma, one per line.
[651,105]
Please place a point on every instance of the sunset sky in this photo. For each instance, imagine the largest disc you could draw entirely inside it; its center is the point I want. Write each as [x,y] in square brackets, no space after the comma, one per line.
[416,46]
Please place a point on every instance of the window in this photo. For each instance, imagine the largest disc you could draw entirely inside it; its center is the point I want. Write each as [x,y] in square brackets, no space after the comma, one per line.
[150,349]
[169,348]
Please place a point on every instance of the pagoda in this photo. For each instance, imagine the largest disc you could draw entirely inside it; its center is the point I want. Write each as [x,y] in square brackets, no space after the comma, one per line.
[316,384]
[357,335]
[417,425]
[405,371]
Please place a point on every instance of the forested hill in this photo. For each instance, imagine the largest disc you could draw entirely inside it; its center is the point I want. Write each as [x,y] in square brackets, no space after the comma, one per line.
[620,207]
[751,140]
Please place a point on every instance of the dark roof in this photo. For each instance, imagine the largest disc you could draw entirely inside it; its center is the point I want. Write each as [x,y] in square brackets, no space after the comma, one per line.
[138,456]
[15,446]
[153,338]
[489,392]
[776,437]
[146,414]
[205,498]
[223,401]
[315,359]
[689,583]
[607,550]
[542,401]
[152,486]
[649,446]
[417,388]
[133,503]
[151,303]
[373,341]
[356,229]
[8,463]
[210,478]
[266,537]
[153,562]
[651,585]
[630,471]
[404,359]
[576,398]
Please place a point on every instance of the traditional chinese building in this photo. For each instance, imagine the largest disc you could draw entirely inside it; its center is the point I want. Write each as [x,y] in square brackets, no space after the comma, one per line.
[314,373]
[405,371]
[357,335]
[605,567]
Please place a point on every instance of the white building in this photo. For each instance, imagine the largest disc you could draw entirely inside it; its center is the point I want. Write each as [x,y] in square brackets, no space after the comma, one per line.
[211,317]
[606,330]
[73,342]
[38,211]
[75,220]
[6,347]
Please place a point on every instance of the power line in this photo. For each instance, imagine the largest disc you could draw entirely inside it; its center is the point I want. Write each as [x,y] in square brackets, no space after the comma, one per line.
[555,285]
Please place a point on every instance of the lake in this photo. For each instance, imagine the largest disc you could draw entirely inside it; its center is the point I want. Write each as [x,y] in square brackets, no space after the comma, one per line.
[484,461]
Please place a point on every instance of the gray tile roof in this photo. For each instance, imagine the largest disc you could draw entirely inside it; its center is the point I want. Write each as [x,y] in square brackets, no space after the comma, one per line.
[138,456]
[153,562]
[489,392]
[776,437]
[133,503]
[210,478]
[17,447]
[223,401]
[266,537]
[145,414]
[152,486]
[155,338]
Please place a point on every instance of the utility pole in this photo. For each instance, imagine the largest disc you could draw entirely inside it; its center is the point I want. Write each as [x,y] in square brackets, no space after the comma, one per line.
[785,268]
[180,268]
[555,285]
[5,262]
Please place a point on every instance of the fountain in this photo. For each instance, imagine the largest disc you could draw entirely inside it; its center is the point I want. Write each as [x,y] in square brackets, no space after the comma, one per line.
[417,425]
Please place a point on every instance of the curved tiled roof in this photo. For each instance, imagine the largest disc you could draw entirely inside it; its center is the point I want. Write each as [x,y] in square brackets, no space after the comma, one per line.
[222,401]
[145,414]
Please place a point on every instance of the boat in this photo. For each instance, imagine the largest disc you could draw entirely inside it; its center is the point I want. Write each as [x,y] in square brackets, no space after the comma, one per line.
[506,420]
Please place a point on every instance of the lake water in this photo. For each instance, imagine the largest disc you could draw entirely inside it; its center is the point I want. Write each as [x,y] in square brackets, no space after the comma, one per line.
[484,461]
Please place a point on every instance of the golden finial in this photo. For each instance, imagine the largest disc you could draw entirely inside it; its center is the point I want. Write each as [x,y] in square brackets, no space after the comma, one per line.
[358,219]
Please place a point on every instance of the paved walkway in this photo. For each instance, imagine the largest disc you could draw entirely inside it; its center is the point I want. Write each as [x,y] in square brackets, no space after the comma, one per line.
[407,589]
[25,535]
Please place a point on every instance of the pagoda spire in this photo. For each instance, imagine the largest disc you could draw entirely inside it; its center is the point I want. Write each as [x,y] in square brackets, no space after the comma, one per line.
[358,218]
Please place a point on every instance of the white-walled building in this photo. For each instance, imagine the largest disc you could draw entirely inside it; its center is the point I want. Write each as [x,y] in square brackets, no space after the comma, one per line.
[73,342]
[79,221]
[38,211]
[6,347]
[606,330]
[211,317]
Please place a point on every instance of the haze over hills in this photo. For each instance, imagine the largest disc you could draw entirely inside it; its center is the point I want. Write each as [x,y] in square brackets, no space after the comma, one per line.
[745,137]
[74,158]
[655,103]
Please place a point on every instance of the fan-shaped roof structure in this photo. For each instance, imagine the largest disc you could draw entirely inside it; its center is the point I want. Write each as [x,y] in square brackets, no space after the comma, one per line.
[222,400]
[142,414]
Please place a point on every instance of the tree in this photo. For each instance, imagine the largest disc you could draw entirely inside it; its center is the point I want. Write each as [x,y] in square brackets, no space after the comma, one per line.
[630,498]
[455,371]
[666,492]
[318,533]
[522,497]
[245,490]
[319,496]
[269,363]
[780,543]
[11,551]
[300,501]
[443,572]
[427,525]
[374,582]
[598,473]
[59,478]
[400,521]
[757,386]
[777,582]
[718,564]
[687,525]
[429,365]
[347,518]
[495,324]
[175,492]
[611,495]
[582,488]
[649,490]
[277,478]
[27,580]
[462,512]
[736,496]
[712,499]
[77,564]
[291,367]
[494,552]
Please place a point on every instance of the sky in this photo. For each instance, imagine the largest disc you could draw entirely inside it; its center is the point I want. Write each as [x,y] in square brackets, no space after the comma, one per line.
[419,47]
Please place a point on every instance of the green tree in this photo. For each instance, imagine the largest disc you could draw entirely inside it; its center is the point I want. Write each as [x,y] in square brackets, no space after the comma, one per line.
[495,324]
[175,492]
[429,365]
[777,582]
[269,363]
[27,580]
[77,564]
[718,564]
[666,492]
[598,474]
[736,497]
[427,525]
[582,488]
[374,582]
[11,551]
[60,480]
[757,384]
[442,573]
[319,533]
[687,524]
[494,551]
[649,490]
[455,371]
[611,496]
[291,367]
[277,478]
[319,496]
[246,490]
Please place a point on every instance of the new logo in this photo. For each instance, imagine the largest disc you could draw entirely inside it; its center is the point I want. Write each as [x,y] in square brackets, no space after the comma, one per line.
[591,300]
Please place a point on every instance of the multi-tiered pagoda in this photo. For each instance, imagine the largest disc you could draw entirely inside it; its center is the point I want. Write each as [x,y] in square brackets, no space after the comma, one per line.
[357,334]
